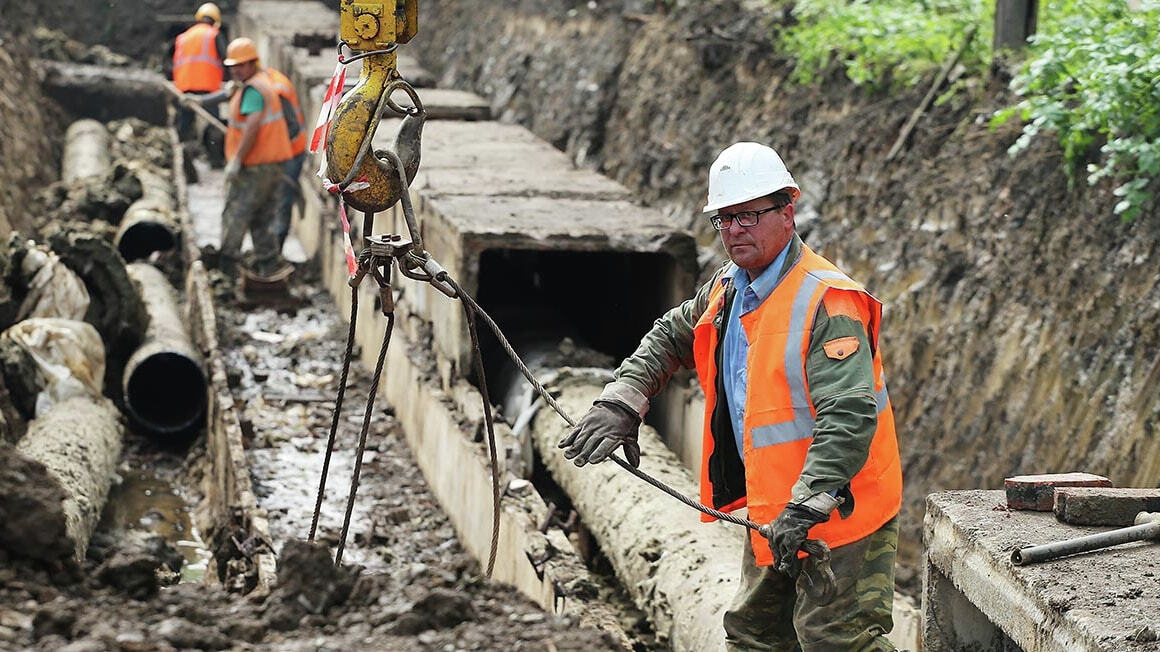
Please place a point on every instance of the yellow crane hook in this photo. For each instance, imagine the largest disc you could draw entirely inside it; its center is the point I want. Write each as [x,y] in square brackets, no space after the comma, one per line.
[374,29]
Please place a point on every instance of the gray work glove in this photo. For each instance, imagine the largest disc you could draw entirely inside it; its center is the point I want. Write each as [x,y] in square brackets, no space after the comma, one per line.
[788,532]
[604,427]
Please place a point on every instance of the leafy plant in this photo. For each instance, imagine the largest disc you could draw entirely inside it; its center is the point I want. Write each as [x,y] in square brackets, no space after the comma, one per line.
[1094,79]
[885,42]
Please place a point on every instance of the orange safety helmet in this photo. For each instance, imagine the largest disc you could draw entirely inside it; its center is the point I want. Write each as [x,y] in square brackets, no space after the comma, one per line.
[240,50]
[209,10]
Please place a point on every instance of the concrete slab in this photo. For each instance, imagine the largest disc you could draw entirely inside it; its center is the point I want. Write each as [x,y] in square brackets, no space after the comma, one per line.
[458,229]
[974,598]
[451,104]
[491,158]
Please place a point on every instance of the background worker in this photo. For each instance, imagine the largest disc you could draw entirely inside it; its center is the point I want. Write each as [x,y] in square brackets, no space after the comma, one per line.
[296,127]
[257,146]
[288,190]
[197,61]
[798,423]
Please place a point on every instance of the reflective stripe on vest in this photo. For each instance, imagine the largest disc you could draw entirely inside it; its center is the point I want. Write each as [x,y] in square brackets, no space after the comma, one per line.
[779,416]
[196,64]
[272,144]
[802,425]
[285,90]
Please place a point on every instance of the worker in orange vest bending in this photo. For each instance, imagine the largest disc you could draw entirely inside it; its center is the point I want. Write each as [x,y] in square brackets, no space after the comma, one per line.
[257,146]
[197,61]
[798,423]
[288,190]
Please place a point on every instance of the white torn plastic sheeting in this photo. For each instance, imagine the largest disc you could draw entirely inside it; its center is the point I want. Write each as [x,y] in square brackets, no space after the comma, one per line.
[68,354]
[54,290]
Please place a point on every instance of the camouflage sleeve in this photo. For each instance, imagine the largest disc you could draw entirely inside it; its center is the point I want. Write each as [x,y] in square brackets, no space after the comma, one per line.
[665,349]
[840,376]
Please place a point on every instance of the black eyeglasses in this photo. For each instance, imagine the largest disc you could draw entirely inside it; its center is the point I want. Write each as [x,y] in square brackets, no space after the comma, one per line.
[744,218]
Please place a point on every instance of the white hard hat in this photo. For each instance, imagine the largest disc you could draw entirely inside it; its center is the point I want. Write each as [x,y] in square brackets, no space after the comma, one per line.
[746,171]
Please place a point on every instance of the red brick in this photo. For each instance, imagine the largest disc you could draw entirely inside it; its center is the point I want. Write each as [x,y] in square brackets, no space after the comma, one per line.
[1104,505]
[1037,492]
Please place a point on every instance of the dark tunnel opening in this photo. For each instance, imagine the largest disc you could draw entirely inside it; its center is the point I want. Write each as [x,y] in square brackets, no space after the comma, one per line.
[603,302]
[166,393]
[143,238]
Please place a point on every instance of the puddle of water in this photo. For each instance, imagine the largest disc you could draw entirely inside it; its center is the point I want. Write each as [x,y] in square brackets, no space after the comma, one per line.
[147,503]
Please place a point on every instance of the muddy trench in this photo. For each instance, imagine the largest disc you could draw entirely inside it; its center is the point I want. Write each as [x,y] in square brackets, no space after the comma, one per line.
[168,566]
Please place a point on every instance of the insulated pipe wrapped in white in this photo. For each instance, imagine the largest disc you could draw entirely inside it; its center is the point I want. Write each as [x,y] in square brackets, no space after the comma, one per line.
[48,361]
[86,151]
[682,573]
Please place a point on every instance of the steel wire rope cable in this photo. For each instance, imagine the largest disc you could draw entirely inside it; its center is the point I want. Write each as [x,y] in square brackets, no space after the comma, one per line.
[337,409]
[491,446]
[477,356]
[362,439]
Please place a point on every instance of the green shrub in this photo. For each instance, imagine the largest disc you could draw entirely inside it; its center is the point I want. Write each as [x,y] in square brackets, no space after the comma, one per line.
[1093,79]
[877,41]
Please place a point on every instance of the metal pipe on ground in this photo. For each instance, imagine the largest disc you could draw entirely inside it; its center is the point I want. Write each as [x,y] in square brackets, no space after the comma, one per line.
[149,224]
[164,382]
[67,460]
[86,151]
[682,573]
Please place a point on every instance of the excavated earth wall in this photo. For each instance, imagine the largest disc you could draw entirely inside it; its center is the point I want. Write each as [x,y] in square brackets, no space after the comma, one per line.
[28,151]
[1021,315]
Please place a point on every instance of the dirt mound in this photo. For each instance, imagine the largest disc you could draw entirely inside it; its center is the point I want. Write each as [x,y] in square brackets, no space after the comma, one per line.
[55,45]
[25,489]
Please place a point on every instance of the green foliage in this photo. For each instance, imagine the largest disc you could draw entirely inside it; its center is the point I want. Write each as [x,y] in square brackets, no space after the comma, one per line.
[1094,79]
[883,42]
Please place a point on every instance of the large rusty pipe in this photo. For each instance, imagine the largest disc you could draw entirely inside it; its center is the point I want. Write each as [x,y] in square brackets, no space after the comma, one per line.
[86,151]
[148,224]
[164,383]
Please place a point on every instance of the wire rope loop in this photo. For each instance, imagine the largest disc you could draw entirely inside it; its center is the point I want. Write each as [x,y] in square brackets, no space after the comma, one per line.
[362,55]
[406,87]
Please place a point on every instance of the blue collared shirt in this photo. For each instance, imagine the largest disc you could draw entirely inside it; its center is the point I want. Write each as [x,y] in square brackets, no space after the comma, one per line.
[749,296]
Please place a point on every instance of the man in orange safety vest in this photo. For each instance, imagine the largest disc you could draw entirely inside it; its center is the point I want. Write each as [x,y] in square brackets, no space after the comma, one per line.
[798,425]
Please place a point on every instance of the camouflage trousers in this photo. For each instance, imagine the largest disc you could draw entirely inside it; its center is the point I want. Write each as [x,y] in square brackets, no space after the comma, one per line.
[770,613]
[250,203]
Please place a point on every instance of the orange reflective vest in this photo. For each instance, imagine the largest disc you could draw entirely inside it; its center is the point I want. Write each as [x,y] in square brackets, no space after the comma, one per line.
[196,64]
[273,142]
[779,415]
[285,90]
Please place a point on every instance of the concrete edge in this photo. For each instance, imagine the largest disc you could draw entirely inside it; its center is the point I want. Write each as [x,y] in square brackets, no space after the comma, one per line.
[229,497]
[991,587]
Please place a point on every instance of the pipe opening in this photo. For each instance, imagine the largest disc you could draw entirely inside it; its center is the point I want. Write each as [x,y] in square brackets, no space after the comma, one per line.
[166,393]
[143,238]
